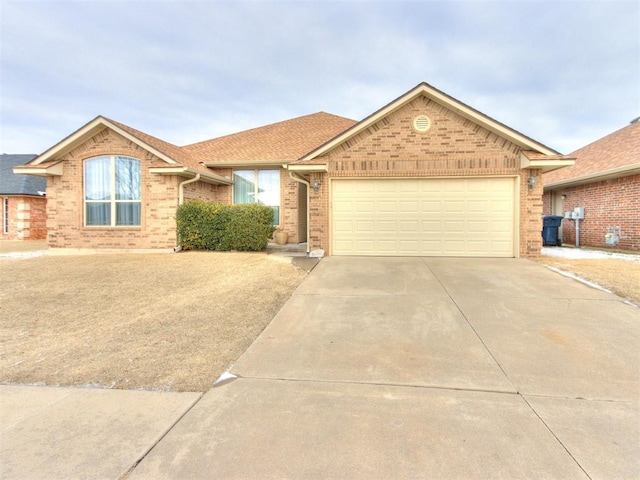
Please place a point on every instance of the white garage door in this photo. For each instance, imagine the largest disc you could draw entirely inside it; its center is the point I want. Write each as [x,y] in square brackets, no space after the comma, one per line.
[466,217]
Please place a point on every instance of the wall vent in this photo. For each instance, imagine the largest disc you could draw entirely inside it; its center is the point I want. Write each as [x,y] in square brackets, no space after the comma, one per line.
[421,123]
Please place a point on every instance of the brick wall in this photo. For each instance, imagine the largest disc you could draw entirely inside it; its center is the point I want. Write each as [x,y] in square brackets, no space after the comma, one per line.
[453,146]
[65,204]
[289,206]
[608,203]
[27,218]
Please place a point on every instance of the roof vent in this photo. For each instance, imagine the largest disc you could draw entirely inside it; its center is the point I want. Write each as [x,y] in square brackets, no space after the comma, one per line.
[421,123]
[635,120]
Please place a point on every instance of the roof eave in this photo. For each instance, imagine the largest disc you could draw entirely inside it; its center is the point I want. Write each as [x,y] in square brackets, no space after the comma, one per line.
[246,163]
[53,170]
[546,164]
[308,168]
[595,177]
[187,172]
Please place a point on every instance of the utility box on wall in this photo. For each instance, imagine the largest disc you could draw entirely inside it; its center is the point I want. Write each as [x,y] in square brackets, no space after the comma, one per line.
[578,213]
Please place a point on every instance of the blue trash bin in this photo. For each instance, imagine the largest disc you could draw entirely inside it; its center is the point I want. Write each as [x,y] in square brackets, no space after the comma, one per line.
[550,230]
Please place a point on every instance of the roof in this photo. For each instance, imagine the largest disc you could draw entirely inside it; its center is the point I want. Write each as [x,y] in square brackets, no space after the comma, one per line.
[616,154]
[15,184]
[280,142]
[526,143]
[178,161]
[171,151]
[277,143]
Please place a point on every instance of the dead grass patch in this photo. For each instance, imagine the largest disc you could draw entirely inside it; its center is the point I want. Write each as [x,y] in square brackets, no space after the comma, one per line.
[622,277]
[155,321]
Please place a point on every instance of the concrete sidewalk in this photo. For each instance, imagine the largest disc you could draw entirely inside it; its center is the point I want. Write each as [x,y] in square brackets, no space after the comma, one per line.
[375,368]
[60,433]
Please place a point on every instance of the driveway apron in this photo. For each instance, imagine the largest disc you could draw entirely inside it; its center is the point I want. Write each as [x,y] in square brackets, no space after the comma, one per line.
[424,368]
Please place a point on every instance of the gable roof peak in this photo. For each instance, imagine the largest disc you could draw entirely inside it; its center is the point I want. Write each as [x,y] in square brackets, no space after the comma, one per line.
[447,101]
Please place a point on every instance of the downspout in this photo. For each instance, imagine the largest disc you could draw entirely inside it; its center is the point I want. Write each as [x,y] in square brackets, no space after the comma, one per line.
[299,179]
[181,201]
[181,187]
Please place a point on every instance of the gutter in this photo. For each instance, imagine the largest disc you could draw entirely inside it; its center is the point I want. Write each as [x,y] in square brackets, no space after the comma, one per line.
[299,179]
[595,177]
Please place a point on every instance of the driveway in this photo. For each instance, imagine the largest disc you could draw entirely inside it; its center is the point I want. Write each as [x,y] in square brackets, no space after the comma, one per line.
[424,368]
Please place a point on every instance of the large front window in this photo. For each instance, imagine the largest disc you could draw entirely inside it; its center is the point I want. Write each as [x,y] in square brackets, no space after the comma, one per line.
[258,186]
[112,191]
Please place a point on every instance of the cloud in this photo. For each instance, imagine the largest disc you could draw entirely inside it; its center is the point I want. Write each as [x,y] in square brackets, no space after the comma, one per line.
[563,73]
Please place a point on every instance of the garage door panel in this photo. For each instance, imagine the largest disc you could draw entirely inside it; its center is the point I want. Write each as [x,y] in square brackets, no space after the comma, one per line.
[435,217]
[387,206]
[366,227]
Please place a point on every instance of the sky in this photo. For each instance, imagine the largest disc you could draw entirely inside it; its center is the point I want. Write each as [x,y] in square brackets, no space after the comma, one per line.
[564,73]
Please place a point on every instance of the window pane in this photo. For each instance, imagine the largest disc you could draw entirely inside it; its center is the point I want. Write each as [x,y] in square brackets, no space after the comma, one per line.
[99,213]
[269,187]
[97,178]
[128,213]
[243,186]
[127,178]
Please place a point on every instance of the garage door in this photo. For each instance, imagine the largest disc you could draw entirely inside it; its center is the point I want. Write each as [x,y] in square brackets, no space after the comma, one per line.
[470,217]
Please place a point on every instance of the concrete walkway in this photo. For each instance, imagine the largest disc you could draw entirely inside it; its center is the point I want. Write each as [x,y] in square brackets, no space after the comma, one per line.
[380,368]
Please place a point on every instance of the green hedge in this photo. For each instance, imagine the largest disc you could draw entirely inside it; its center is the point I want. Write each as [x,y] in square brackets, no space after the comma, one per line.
[214,226]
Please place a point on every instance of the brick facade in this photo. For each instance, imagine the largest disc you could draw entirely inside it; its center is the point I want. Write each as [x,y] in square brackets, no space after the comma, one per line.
[453,146]
[26,218]
[65,203]
[458,143]
[608,203]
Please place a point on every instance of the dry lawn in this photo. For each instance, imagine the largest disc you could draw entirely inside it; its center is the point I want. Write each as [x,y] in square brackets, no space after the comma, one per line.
[622,277]
[155,321]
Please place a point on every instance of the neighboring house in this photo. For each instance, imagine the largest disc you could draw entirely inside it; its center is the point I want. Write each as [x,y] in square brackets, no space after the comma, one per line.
[424,175]
[605,181]
[23,201]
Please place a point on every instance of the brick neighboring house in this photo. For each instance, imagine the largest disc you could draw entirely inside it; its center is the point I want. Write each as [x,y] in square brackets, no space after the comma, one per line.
[605,181]
[424,175]
[23,201]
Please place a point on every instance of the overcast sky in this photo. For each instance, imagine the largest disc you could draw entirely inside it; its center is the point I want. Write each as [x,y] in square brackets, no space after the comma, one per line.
[562,72]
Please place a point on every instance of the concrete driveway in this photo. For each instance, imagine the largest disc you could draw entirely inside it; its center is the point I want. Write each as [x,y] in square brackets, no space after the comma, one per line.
[424,368]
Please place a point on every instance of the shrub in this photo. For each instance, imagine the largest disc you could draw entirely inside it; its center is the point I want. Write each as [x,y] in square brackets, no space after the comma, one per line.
[214,226]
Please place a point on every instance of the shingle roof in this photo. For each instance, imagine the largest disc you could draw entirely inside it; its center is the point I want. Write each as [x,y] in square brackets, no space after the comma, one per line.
[15,184]
[174,152]
[282,141]
[616,150]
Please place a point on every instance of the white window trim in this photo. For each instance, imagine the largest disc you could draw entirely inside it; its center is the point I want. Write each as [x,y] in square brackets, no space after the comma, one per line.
[112,185]
[5,215]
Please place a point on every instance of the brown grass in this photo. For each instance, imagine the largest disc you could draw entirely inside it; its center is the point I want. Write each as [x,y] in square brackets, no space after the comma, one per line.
[155,321]
[622,277]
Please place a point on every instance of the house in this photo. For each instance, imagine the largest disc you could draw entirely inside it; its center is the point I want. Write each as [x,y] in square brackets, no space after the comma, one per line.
[605,182]
[23,201]
[424,175]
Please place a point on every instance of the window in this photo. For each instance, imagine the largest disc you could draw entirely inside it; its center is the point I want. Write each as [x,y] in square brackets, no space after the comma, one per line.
[258,186]
[5,215]
[112,191]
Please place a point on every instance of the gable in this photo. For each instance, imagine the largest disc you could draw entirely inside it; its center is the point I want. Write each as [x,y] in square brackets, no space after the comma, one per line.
[442,99]
[109,142]
[394,136]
